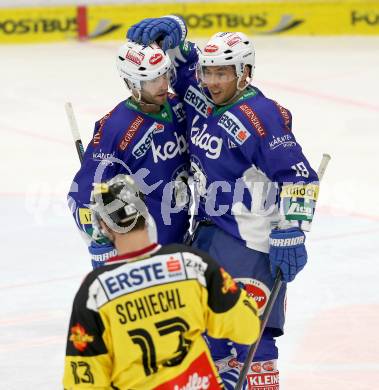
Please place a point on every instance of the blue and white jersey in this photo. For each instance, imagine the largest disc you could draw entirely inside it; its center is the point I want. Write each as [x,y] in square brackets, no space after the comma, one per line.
[151,147]
[245,160]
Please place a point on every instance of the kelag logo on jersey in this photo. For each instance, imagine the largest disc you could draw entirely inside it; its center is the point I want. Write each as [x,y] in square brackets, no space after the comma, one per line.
[202,139]
[143,145]
[142,274]
[232,125]
[170,149]
[194,98]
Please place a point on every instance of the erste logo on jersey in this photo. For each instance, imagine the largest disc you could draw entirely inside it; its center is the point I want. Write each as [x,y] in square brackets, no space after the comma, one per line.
[194,98]
[142,274]
[134,57]
[202,139]
[143,145]
[233,126]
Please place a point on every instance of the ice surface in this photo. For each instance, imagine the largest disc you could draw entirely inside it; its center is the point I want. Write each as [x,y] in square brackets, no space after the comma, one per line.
[331,87]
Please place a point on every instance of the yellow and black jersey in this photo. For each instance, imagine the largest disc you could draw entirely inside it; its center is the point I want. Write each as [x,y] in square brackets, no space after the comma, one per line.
[137,322]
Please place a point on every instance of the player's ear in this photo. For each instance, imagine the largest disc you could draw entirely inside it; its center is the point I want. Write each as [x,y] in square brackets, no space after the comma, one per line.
[245,77]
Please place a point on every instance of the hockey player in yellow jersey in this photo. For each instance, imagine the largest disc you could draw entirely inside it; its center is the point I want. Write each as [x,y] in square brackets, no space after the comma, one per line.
[137,322]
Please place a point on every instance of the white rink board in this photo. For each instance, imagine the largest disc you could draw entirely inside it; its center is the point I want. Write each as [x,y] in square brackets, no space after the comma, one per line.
[331,87]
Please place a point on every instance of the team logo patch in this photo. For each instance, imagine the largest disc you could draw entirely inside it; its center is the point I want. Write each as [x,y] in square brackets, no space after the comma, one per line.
[134,57]
[211,48]
[257,290]
[79,337]
[253,119]
[155,59]
[131,132]
[228,284]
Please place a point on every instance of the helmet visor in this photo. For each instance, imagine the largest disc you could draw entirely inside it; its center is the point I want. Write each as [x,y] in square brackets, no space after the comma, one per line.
[216,74]
[159,84]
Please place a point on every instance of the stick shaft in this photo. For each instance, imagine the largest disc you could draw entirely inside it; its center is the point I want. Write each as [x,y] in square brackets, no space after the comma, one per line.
[74,130]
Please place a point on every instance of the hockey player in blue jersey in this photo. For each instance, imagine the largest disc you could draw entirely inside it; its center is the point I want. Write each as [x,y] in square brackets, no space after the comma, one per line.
[255,191]
[143,135]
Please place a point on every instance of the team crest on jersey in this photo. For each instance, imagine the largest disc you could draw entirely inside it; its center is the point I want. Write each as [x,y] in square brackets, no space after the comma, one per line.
[228,284]
[179,112]
[194,98]
[79,337]
[233,126]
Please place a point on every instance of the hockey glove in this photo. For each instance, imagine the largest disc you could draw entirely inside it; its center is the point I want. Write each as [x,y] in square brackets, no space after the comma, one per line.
[170,30]
[100,253]
[287,252]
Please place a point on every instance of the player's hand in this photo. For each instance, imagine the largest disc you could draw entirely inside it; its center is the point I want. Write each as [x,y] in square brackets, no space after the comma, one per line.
[170,30]
[100,253]
[287,252]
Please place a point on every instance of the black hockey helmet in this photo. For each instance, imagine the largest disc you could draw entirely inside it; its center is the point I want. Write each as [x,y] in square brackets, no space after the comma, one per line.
[119,203]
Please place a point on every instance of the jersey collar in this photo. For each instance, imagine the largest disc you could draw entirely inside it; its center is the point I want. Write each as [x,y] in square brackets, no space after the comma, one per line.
[135,255]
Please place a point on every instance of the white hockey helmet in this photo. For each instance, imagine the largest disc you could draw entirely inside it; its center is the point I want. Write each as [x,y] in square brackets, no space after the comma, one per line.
[229,48]
[137,63]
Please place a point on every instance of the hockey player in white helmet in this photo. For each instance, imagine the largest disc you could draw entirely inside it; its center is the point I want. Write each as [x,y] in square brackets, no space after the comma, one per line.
[257,192]
[143,135]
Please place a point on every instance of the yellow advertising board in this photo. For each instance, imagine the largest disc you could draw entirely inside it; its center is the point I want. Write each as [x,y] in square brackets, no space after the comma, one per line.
[303,17]
[48,24]
[266,18]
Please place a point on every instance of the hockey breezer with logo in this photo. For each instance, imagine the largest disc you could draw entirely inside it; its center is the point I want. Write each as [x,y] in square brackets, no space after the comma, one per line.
[254,187]
[137,321]
[143,135]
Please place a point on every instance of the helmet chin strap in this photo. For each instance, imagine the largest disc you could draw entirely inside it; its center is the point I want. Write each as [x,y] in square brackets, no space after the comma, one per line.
[238,93]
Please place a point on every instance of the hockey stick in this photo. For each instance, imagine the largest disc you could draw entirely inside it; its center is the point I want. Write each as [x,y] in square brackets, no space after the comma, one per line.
[274,293]
[74,130]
